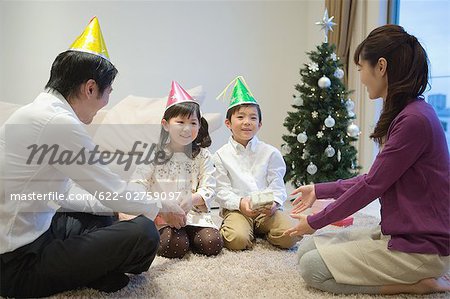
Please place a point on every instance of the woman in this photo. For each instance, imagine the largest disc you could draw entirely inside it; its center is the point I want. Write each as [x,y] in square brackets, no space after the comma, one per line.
[409,251]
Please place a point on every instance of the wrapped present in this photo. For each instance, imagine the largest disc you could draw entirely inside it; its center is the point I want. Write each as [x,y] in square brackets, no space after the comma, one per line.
[261,199]
[320,204]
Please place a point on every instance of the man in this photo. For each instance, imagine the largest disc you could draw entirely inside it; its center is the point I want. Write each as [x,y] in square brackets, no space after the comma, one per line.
[43,252]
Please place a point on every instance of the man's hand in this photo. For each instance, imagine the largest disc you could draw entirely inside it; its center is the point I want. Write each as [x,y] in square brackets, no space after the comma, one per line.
[305,200]
[125,217]
[302,227]
[245,209]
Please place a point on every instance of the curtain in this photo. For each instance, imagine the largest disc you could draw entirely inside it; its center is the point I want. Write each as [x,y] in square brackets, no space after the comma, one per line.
[344,12]
[354,22]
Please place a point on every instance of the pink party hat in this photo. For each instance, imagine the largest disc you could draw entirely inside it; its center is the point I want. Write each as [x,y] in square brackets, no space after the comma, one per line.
[178,95]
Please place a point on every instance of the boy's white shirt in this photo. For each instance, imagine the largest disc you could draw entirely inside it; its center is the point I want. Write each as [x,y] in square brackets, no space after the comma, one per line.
[242,170]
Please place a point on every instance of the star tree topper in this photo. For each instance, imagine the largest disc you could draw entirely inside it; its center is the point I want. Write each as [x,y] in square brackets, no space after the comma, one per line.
[326,24]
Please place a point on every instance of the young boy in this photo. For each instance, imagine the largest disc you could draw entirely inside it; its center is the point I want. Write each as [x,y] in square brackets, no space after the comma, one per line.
[244,166]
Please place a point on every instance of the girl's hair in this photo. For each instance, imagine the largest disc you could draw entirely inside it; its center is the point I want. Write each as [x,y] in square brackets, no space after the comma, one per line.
[186,109]
[407,70]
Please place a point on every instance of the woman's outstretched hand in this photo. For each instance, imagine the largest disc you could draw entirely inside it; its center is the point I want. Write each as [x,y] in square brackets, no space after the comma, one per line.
[301,228]
[305,200]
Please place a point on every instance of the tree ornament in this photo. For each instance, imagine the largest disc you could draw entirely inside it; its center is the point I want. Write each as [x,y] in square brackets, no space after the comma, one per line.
[329,122]
[324,82]
[314,114]
[305,154]
[302,137]
[349,105]
[339,73]
[339,156]
[333,56]
[352,130]
[285,149]
[327,24]
[330,151]
[351,114]
[311,169]
[313,67]
[298,101]
[319,134]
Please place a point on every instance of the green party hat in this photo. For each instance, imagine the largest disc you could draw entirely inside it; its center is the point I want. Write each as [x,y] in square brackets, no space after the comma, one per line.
[241,94]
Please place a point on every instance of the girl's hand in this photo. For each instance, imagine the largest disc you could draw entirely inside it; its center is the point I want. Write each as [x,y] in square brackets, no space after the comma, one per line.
[174,219]
[305,200]
[198,200]
[186,204]
[302,227]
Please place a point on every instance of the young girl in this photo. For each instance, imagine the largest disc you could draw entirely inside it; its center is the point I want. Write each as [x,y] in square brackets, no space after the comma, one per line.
[187,170]
[409,251]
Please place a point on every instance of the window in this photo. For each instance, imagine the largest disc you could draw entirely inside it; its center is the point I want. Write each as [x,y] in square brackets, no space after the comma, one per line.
[430,26]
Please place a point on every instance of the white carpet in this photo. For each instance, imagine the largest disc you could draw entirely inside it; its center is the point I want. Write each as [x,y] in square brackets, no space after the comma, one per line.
[263,272]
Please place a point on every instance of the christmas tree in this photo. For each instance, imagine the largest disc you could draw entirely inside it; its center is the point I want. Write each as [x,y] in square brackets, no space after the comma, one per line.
[319,146]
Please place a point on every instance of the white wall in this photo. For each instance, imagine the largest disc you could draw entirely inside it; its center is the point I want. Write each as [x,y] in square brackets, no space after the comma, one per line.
[152,43]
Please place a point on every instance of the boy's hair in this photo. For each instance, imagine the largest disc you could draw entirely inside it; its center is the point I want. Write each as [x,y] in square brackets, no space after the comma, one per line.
[237,108]
[73,68]
[186,109]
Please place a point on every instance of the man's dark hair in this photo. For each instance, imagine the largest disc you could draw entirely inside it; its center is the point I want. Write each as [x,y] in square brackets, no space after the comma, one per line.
[73,68]
[236,109]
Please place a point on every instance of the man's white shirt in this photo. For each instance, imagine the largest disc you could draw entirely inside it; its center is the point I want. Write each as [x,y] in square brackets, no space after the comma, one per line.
[50,120]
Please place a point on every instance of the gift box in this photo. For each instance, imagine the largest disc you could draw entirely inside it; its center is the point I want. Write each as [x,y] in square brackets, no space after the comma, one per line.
[320,204]
[261,199]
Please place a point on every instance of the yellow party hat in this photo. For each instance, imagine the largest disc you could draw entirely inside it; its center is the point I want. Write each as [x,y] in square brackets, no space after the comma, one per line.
[91,40]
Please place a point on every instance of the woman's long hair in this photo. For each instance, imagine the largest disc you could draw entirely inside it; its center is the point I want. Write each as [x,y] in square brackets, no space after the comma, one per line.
[407,71]
[203,139]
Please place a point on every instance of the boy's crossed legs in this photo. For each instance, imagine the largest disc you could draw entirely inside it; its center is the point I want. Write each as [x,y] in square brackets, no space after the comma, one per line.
[238,230]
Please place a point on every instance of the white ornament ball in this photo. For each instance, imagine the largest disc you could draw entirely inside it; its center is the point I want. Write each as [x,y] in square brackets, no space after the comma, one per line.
[350,105]
[285,149]
[311,169]
[329,122]
[351,114]
[324,82]
[339,73]
[330,151]
[352,130]
[298,101]
[302,137]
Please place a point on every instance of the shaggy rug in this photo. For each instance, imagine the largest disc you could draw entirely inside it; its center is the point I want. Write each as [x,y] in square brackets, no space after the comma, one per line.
[263,272]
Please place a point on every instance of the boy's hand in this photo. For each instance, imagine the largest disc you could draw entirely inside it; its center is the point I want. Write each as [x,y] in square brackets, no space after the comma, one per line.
[245,209]
[305,200]
[270,209]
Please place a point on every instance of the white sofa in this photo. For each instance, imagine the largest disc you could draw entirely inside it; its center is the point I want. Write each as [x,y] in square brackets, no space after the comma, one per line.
[131,119]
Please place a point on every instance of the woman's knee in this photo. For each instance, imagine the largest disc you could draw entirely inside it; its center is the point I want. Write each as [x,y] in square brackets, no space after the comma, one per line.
[313,269]
[305,246]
